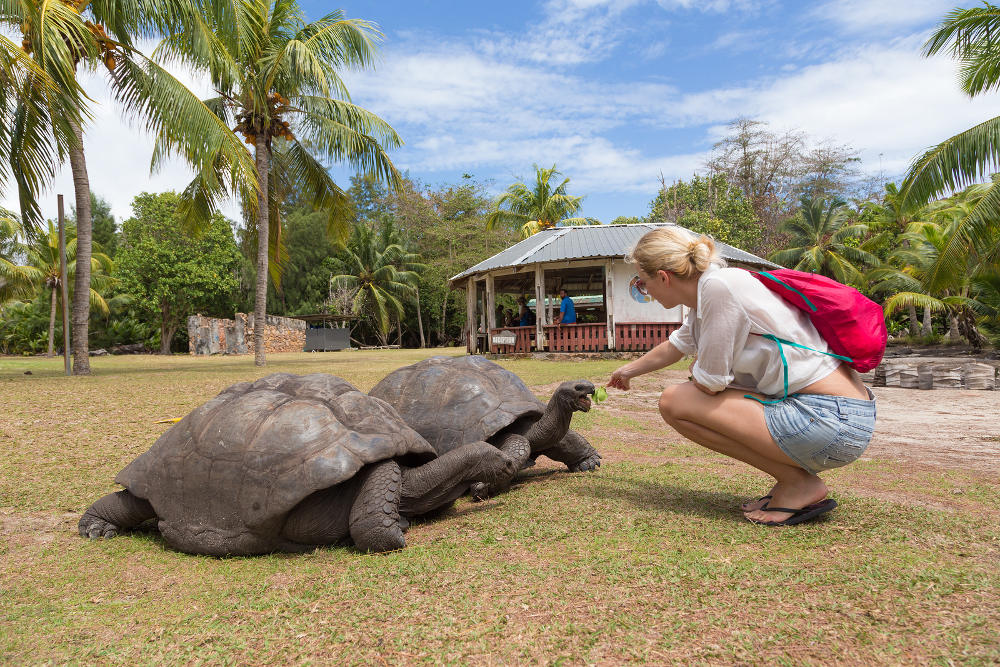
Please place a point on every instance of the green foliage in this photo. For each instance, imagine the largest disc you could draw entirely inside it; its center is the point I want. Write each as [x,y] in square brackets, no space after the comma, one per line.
[312,259]
[24,327]
[710,206]
[627,220]
[820,239]
[172,275]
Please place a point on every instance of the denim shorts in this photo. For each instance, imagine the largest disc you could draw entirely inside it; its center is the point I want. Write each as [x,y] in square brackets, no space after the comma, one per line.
[821,432]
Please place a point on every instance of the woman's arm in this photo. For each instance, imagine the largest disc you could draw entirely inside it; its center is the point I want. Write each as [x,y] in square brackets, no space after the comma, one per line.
[659,357]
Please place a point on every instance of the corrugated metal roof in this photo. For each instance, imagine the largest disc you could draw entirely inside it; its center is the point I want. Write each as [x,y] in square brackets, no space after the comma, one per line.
[589,241]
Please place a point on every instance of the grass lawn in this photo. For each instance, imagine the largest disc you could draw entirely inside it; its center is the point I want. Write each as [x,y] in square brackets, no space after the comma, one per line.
[646,560]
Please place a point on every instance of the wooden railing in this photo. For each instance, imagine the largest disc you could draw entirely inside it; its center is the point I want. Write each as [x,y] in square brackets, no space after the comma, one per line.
[576,337]
[642,336]
[629,337]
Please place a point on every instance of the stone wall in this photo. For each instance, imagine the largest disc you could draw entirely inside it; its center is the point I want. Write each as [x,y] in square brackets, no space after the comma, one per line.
[209,335]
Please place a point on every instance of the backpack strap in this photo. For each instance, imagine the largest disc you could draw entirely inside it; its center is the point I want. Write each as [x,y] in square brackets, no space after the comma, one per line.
[781,282]
[784,363]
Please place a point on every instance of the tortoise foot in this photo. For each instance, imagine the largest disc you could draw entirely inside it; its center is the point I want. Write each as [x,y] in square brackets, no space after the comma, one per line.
[592,462]
[93,527]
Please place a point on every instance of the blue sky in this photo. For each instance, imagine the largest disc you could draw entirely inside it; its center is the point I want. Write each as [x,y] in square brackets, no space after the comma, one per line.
[617,93]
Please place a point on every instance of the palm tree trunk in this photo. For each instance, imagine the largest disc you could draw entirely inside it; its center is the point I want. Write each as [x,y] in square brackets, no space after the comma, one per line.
[166,334]
[953,332]
[928,327]
[52,325]
[81,296]
[914,323]
[420,322]
[260,302]
[442,332]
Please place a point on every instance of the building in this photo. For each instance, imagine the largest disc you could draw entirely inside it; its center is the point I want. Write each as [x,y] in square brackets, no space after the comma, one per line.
[588,262]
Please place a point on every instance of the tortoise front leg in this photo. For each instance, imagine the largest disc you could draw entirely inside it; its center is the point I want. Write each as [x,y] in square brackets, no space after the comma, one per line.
[518,449]
[575,452]
[374,521]
[114,513]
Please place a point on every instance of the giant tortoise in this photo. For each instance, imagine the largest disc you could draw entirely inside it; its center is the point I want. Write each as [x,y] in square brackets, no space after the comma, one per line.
[288,463]
[452,401]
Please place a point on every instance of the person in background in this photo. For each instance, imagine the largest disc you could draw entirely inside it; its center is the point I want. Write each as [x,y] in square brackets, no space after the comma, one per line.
[567,311]
[527,318]
[823,416]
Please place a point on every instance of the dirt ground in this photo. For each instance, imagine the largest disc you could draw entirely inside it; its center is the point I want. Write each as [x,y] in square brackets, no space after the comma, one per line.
[941,428]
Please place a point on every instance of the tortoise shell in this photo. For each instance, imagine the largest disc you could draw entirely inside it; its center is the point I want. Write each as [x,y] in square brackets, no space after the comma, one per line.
[223,479]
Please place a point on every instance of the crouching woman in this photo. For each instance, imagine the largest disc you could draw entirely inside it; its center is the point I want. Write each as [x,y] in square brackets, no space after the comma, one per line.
[736,400]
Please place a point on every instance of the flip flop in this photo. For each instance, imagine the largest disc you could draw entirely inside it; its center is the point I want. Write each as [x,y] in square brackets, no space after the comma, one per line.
[807,513]
[750,502]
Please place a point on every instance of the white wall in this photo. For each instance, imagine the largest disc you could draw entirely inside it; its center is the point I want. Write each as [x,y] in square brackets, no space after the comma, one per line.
[630,306]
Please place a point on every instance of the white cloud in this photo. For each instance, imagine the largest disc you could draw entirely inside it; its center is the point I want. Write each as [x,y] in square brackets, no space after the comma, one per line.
[867,15]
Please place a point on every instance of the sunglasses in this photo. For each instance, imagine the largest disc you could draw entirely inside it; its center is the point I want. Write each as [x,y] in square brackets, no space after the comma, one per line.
[641,286]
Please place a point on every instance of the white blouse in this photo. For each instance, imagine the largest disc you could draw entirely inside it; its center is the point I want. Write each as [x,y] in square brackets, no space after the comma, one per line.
[732,307]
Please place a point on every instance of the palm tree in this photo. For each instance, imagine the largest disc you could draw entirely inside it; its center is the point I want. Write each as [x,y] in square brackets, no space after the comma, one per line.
[380,272]
[820,238]
[530,210]
[277,78]
[969,36]
[62,35]
[16,281]
[43,255]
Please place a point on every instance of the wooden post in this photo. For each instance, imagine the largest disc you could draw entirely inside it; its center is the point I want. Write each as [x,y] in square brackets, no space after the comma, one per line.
[470,315]
[491,316]
[65,285]
[539,307]
[609,301]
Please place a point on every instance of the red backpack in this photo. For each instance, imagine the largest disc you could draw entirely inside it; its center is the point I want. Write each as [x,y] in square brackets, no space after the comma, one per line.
[850,323]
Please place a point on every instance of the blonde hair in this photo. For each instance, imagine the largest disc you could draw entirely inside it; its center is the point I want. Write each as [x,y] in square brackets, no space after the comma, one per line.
[674,250]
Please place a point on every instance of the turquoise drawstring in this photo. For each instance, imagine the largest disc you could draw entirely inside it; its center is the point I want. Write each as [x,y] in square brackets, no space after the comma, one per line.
[784,362]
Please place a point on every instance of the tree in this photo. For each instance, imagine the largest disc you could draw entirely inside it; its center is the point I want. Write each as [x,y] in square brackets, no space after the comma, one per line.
[62,35]
[969,36]
[709,205]
[277,78]
[312,259]
[820,240]
[381,273]
[43,255]
[170,274]
[530,210]
[774,170]
[105,228]
[16,280]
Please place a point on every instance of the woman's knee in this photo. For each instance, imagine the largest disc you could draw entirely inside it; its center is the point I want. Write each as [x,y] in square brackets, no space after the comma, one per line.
[670,403]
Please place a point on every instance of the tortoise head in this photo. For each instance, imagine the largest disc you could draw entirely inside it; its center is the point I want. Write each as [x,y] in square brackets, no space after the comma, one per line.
[575,395]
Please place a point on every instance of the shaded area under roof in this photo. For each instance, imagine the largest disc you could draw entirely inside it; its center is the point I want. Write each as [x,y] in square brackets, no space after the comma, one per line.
[589,242]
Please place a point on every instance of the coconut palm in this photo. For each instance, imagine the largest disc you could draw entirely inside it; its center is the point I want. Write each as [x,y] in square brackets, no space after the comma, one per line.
[381,273]
[969,36]
[530,210]
[277,79]
[17,281]
[819,239]
[65,35]
[43,255]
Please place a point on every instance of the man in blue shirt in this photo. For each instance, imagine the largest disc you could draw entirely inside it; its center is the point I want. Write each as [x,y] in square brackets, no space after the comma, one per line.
[567,311]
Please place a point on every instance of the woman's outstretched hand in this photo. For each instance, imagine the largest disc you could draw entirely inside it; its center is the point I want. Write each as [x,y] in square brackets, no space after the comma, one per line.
[619,379]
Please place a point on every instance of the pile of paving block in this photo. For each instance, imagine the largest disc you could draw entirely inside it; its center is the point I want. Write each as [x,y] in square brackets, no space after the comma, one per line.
[934,373]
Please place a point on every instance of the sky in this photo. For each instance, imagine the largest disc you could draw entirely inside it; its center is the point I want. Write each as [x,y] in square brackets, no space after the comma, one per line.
[615,93]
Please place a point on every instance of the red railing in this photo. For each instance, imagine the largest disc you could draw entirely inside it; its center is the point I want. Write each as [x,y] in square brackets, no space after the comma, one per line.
[525,340]
[642,336]
[576,337]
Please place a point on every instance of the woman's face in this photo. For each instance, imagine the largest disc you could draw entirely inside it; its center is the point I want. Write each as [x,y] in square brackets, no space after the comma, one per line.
[658,286]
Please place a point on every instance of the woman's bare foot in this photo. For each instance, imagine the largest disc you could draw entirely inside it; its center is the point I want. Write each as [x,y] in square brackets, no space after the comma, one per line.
[797,493]
[751,505]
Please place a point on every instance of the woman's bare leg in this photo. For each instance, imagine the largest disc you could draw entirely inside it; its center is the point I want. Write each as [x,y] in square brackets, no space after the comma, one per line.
[733,425]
